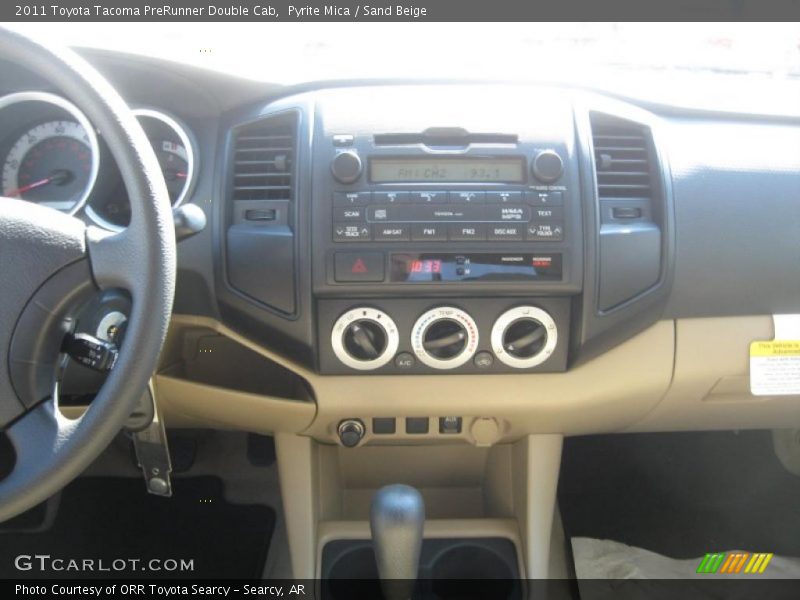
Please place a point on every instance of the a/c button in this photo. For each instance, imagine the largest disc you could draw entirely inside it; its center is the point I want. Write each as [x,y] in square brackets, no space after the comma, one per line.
[352,267]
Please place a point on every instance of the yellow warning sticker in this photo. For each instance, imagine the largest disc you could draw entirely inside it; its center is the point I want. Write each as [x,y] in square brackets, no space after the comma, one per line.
[775,348]
[775,368]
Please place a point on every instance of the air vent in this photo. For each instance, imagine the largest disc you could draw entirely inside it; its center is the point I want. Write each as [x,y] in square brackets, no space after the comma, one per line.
[263,160]
[622,156]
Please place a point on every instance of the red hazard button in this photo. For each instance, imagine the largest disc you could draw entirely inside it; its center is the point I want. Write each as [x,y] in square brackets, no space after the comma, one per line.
[352,267]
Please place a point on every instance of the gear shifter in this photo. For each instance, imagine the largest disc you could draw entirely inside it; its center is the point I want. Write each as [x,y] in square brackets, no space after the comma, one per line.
[396,520]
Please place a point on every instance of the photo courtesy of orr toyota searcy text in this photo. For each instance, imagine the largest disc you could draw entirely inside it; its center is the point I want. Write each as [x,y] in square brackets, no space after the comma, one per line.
[161,591]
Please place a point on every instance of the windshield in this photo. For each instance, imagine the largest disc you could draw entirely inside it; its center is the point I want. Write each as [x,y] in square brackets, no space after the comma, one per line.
[665,60]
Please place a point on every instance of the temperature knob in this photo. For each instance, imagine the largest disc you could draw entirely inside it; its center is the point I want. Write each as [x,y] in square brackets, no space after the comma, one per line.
[346,167]
[444,337]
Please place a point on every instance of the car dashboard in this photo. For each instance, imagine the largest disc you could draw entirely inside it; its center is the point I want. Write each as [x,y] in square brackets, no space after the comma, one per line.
[439,261]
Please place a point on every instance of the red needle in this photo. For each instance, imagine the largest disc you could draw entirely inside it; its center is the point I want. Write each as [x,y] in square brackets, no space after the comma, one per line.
[180,174]
[31,186]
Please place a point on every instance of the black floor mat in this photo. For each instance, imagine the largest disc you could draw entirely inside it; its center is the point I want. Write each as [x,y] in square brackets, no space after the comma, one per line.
[681,494]
[114,518]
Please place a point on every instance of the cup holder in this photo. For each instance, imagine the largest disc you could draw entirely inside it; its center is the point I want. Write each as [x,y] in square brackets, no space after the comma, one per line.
[449,569]
[470,571]
[349,571]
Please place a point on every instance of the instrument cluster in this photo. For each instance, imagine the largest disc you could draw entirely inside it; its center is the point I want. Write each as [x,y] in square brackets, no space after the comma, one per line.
[52,155]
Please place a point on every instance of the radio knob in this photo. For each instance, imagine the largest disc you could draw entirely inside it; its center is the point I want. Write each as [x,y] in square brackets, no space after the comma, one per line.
[346,167]
[547,166]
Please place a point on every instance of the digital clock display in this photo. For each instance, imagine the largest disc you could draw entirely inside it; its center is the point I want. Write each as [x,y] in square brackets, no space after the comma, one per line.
[427,265]
[457,169]
[422,267]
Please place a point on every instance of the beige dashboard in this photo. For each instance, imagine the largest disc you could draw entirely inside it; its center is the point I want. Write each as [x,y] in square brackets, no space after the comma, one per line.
[686,374]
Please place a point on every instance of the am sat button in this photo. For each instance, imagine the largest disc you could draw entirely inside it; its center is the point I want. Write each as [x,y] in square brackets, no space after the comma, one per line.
[353,267]
[391,232]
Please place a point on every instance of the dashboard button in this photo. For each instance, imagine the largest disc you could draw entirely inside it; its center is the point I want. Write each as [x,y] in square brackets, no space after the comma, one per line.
[391,233]
[428,197]
[483,360]
[416,424]
[504,197]
[545,232]
[429,232]
[509,212]
[548,213]
[348,232]
[349,213]
[341,140]
[389,197]
[350,267]
[351,198]
[508,233]
[404,360]
[466,233]
[384,425]
[467,197]
[535,198]
[450,425]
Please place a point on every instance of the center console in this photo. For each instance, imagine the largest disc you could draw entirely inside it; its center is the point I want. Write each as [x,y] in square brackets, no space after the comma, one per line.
[444,242]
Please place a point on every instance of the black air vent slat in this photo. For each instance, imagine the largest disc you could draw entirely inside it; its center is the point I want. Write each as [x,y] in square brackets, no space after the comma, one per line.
[622,158]
[264,158]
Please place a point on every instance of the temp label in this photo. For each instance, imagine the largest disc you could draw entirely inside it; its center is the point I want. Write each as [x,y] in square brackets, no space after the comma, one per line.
[775,368]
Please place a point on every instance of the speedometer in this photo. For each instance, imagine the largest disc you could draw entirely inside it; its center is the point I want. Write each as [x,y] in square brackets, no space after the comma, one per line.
[50,164]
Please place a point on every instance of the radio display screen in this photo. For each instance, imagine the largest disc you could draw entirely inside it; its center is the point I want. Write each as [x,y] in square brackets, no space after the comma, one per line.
[428,267]
[456,169]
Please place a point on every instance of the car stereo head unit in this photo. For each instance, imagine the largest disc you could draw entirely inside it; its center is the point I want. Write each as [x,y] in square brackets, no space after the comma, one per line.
[432,207]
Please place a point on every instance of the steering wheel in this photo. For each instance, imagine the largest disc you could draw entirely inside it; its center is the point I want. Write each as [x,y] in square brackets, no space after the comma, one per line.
[49,264]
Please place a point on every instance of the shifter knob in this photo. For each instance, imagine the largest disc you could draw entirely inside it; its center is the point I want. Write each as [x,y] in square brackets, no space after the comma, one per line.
[396,520]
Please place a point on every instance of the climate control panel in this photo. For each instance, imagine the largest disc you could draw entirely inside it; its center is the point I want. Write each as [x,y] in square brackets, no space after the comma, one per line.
[418,336]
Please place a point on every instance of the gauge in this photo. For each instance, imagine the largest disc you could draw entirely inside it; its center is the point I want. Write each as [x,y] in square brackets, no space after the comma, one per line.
[50,164]
[52,160]
[174,161]
[175,151]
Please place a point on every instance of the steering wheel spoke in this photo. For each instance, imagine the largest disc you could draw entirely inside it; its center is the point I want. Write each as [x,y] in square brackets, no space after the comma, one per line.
[115,259]
[38,437]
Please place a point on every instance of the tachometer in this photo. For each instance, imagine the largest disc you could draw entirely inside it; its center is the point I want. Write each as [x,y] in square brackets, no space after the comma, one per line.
[52,157]
[50,164]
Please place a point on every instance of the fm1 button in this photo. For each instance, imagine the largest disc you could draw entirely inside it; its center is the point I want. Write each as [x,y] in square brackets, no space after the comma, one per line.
[483,360]
[355,267]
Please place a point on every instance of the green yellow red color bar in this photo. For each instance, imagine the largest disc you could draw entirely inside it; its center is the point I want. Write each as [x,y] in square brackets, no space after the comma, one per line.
[734,563]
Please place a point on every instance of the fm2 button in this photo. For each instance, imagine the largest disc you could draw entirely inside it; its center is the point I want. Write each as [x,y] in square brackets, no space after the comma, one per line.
[357,267]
